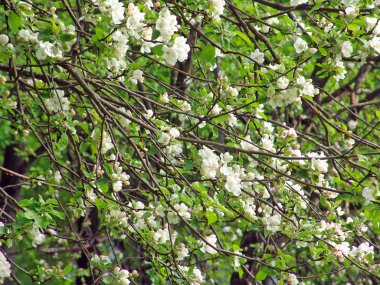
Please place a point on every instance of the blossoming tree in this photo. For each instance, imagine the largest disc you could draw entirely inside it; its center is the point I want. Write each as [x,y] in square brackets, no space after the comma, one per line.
[189,142]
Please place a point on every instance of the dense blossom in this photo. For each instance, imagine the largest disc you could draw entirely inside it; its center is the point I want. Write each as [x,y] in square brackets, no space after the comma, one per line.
[193,142]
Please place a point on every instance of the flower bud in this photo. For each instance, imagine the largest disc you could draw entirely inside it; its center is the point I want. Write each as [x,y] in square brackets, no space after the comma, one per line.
[4,39]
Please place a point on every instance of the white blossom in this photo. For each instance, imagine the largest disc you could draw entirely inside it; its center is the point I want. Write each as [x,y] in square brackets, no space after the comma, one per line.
[5,268]
[36,235]
[57,176]
[217,7]
[182,252]
[182,210]
[137,76]
[107,143]
[210,162]
[58,103]
[135,21]
[161,235]
[375,43]
[257,56]
[292,279]
[233,184]
[4,39]
[346,48]
[282,82]
[297,2]
[177,52]
[209,244]
[300,45]
[165,98]
[318,164]
[368,194]
[117,11]
[174,133]
[272,223]
[247,144]
[166,25]
[47,49]
[373,25]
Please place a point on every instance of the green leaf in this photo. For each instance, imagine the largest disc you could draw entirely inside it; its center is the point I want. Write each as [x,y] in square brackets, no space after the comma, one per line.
[152,150]
[322,51]
[207,54]
[14,22]
[261,275]
[245,38]
[58,214]
[241,272]
[353,27]
[221,119]
[157,50]
[101,204]
[102,183]
[63,142]
[188,165]
[211,217]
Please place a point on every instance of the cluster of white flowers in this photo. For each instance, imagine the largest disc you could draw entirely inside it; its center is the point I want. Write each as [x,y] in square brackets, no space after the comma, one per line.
[209,245]
[167,137]
[177,52]
[362,251]
[122,276]
[306,86]
[272,223]
[36,235]
[247,144]
[292,279]
[291,133]
[107,143]
[233,183]
[217,8]
[346,48]
[137,76]
[341,69]
[267,143]
[58,103]
[282,82]
[183,211]
[210,162]
[48,50]
[182,252]
[118,217]
[373,25]
[135,21]
[375,43]
[367,194]
[28,35]
[120,43]
[298,2]
[99,260]
[257,56]
[119,178]
[116,64]
[173,152]
[162,235]
[249,208]
[167,25]
[300,45]
[113,8]
[318,164]
[5,268]
[195,277]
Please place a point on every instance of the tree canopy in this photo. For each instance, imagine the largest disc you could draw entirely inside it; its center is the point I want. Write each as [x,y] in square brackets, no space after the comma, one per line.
[189,142]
